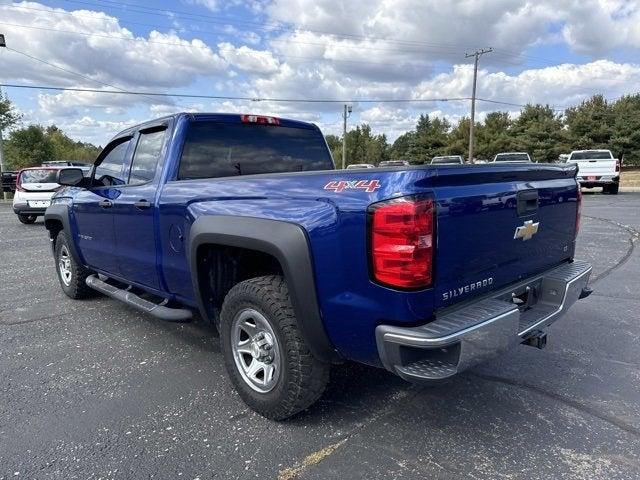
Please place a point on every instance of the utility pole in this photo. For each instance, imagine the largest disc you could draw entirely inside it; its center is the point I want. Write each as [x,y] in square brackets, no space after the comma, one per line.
[345,114]
[477,54]
[3,44]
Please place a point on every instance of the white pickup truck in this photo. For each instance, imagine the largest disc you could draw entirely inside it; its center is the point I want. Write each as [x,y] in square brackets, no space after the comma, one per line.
[597,168]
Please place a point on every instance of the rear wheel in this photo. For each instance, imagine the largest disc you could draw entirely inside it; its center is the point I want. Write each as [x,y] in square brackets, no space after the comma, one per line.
[27,219]
[612,188]
[267,358]
[71,274]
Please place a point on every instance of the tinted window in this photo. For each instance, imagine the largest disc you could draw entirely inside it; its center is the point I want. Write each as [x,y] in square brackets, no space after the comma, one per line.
[591,155]
[109,172]
[38,176]
[145,160]
[225,149]
[453,159]
[512,157]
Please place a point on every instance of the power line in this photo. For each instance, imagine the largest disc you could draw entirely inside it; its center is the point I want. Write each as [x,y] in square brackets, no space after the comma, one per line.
[95,80]
[240,98]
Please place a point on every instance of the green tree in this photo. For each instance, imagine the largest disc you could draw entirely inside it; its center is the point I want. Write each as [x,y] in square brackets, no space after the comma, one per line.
[9,117]
[539,131]
[458,138]
[429,139]
[64,148]
[590,124]
[364,147]
[494,135]
[625,139]
[28,147]
[400,148]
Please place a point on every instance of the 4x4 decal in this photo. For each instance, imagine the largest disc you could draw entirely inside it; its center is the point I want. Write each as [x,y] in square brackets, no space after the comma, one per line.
[341,185]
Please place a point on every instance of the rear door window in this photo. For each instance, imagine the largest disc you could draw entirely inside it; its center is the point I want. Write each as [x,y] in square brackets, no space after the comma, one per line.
[111,170]
[214,149]
[145,159]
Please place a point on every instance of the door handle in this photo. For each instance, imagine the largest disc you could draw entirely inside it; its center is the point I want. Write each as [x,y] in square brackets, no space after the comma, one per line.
[105,204]
[142,204]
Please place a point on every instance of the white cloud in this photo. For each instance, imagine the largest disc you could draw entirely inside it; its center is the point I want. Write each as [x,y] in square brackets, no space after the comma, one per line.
[248,59]
[109,54]
[559,85]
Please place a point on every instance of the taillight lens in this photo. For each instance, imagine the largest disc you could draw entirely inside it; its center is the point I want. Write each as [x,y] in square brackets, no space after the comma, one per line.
[578,209]
[617,165]
[19,182]
[402,242]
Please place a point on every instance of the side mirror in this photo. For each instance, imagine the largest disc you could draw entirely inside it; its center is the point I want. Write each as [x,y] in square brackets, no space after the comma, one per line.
[71,177]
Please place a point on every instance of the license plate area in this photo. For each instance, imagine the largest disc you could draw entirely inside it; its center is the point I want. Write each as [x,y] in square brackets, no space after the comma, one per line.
[39,203]
[591,177]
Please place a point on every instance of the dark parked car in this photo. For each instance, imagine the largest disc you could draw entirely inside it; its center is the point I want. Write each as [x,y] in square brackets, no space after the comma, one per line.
[9,181]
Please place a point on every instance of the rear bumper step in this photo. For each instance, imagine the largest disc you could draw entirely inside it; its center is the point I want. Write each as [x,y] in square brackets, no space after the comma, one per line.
[460,338]
[159,311]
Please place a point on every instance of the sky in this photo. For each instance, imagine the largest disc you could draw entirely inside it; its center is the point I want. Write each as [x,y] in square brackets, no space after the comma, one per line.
[375,54]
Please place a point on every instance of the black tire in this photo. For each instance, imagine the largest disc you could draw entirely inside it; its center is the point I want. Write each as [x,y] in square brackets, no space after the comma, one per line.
[302,378]
[27,219]
[613,189]
[73,286]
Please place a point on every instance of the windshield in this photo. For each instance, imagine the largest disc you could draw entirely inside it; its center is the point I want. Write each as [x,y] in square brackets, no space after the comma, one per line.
[511,157]
[38,176]
[214,149]
[591,155]
[450,159]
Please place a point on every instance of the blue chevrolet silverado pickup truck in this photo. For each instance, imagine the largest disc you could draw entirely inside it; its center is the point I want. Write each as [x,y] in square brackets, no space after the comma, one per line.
[423,270]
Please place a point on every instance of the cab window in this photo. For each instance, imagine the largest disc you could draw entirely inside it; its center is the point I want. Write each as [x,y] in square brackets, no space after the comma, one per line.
[146,156]
[110,171]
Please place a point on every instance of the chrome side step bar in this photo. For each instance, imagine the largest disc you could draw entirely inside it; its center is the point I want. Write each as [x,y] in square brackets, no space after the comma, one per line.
[159,311]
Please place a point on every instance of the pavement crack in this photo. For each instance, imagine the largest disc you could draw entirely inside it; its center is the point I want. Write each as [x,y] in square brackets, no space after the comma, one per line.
[581,407]
[633,238]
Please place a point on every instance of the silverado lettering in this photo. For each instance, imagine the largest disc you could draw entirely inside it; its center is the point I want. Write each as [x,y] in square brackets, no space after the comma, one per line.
[467,288]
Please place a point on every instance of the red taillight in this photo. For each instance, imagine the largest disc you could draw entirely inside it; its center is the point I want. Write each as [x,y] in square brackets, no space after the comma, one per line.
[578,209]
[617,165]
[259,119]
[402,242]
[19,182]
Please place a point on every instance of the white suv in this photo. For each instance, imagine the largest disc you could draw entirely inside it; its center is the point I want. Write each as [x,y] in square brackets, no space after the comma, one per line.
[34,189]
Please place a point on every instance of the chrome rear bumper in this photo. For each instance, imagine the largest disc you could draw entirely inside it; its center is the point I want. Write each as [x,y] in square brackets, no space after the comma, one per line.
[463,336]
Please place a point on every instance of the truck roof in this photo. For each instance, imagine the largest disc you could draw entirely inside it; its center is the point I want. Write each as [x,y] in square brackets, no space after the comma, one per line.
[218,117]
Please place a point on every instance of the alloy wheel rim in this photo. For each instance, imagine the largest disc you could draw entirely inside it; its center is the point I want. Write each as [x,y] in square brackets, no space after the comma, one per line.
[64,265]
[256,351]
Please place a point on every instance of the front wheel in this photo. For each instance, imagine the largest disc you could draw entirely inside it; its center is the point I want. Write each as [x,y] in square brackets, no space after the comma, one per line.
[27,219]
[71,274]
[265,355]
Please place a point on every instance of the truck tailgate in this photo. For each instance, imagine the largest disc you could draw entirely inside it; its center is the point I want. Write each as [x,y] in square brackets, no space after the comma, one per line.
[522,221]
[595,168]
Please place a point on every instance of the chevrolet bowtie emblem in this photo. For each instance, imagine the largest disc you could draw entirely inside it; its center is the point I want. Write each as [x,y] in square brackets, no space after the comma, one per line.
[528,230]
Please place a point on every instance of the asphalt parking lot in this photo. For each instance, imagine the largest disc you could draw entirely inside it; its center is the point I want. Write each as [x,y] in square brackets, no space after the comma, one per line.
[93,389]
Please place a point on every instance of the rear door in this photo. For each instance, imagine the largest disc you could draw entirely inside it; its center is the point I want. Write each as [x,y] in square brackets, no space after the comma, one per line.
[497,227]
[135,210]
[92,208]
